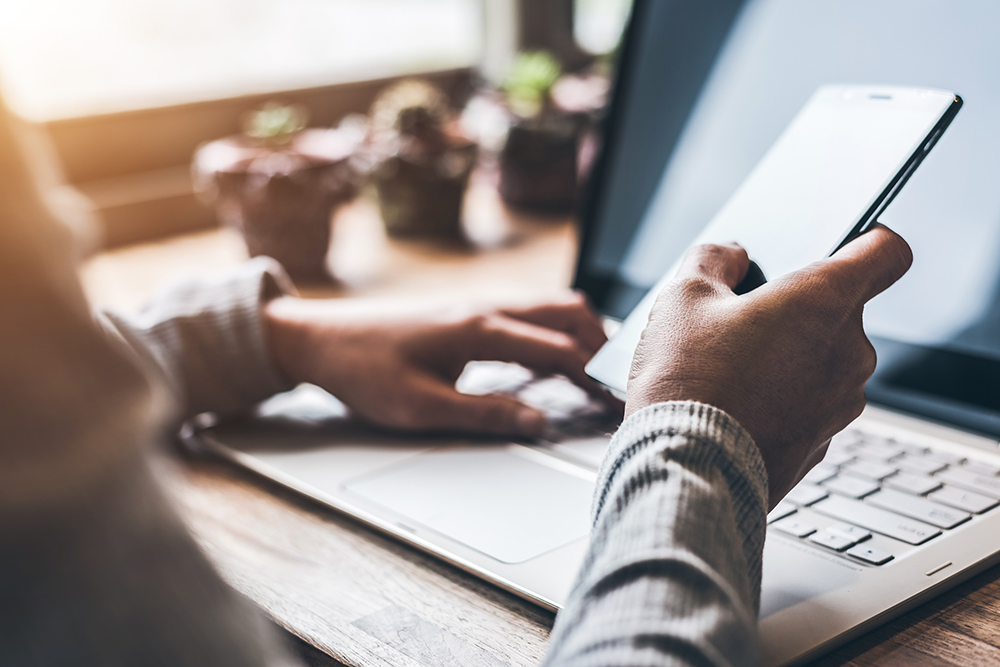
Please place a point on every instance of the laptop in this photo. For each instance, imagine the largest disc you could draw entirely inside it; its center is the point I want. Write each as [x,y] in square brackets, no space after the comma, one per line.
[907,502]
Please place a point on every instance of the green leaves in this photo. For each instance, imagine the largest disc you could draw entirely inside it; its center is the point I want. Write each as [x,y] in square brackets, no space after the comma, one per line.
[275,124]
[529,81]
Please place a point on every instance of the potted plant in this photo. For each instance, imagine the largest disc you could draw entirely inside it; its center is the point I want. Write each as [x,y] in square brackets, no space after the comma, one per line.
[278,184]
[422,161]
[538,161]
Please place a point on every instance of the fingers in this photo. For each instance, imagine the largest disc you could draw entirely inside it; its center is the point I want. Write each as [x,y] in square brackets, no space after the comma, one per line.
[871,263]
[499,338]
[723,266]
[437,406]
[573,316]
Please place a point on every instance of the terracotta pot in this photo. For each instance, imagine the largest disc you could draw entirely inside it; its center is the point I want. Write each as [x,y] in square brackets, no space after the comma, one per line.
[280,199]
[538,163]
[421,194]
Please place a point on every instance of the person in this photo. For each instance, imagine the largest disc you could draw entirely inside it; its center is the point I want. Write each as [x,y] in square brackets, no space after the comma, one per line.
[731,400]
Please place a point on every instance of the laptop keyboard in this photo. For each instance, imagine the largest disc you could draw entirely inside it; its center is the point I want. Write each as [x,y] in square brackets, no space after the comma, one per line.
[571,412]
[870,485]
[866,489]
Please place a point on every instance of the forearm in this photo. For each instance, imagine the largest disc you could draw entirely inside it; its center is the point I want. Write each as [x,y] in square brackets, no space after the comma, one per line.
[207,339]
[673,571]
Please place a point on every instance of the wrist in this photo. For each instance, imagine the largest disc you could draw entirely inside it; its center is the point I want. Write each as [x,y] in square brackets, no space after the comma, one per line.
[287,338]
[649,389]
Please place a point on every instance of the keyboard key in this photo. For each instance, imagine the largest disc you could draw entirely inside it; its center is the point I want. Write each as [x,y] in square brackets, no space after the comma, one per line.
[832,540]
[845,439]
[838,458]
[855,533]
[780,511]
[876,520]
[947,457]
[805,494]
[918,508]
[868,469]
[970,481]
[820,474]
[910,448]
[794,527]
[980,468]
[852,487]
[921,465]
[918,485]
[870,555]
[871,438]
[878,452]
[963,500]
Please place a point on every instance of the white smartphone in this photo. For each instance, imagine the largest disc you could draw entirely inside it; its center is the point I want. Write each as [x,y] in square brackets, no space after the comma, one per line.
[826,179]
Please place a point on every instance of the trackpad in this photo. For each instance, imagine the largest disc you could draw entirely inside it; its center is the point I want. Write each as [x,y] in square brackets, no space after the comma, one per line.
[510,503]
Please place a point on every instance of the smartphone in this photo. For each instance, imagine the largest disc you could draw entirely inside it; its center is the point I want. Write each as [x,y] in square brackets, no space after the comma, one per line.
[831,173]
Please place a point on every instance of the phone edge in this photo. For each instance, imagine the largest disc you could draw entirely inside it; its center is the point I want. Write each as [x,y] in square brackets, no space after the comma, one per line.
[903,175]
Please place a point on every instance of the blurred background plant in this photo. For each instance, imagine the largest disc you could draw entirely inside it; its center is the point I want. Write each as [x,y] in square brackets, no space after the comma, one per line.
[422,161]
[279,183]
[539,158]
[529,82]
[126,90]
[275,124]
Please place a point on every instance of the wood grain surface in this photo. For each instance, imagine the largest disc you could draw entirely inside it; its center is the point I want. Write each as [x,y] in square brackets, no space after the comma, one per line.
[360,597]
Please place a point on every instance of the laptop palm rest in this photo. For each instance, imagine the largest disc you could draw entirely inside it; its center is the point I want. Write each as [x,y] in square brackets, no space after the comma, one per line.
[508,503]
[794,574]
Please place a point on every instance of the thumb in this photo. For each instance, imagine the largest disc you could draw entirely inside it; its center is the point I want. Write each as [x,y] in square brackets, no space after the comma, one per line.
[724,266]
[872,262]
[445,408]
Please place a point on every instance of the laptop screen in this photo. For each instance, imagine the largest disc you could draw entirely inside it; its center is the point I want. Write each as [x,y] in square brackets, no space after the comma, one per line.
[704,88]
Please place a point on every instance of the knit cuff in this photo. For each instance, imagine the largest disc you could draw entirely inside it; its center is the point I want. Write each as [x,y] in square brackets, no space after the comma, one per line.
[697,421]
[207,340]
[249,364]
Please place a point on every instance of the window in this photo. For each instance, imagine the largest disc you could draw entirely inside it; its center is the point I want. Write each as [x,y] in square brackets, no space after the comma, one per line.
[71,58]
[598,24]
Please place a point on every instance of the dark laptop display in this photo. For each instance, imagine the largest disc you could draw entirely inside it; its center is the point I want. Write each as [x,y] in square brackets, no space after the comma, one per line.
[703,90]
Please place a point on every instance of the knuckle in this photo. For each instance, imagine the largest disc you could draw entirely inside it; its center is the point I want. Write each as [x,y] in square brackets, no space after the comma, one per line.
[711,250]
[396,414]
[862,358]
[869,358]
[565,352]
[411,414]
[830,288]
[563,343]
[497,414]
[478,323]
[577,299]
[694,288]
[857,406]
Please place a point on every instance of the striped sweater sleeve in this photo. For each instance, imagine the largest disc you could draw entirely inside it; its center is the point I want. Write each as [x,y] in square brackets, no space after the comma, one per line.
[672,575]
[206,339]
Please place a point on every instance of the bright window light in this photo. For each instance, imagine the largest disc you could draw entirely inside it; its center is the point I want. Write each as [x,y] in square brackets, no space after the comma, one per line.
[598,24]
[65,58]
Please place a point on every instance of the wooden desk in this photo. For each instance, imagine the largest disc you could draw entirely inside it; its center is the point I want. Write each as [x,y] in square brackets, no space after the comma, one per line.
[367,600]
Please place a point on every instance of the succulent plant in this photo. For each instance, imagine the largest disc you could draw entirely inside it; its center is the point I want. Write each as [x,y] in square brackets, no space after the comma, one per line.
[275,124]
[411,109]
[529,81]
[422,161]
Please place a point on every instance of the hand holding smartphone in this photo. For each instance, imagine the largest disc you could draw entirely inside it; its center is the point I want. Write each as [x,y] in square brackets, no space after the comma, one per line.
[834,169]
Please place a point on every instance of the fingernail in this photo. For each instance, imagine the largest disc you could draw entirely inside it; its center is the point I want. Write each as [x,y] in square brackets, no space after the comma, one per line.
[529,421]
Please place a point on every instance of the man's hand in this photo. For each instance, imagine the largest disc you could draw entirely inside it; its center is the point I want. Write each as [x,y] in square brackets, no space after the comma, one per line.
[398,369]
[788,361]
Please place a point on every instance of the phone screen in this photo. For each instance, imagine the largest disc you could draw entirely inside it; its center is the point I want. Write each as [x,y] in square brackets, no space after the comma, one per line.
[824,179]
